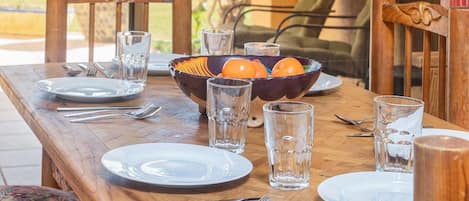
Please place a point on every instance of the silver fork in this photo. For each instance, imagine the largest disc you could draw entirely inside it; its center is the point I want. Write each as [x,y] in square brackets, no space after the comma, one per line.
[91,72]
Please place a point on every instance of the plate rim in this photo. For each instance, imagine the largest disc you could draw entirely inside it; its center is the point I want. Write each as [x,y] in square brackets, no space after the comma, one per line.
[181,185]
[60,94]
[339,83]
[321,186]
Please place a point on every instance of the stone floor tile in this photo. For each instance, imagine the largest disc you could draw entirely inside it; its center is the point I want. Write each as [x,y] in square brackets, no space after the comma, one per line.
[27,157]
[9,115]
[14,128]
[15,142]
[26,175]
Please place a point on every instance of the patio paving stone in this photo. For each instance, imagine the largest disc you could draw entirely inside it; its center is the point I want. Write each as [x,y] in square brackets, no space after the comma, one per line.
[27,175]
[19,142]
[14,128]
[28,157]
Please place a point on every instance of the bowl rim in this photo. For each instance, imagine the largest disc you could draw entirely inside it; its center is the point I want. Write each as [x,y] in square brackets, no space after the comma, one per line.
[174,61]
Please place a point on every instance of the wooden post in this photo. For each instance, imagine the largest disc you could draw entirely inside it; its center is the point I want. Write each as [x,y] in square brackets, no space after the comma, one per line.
[47,179]
[459,67]
[56,31]
[441,168]
[182,26]
[382,70]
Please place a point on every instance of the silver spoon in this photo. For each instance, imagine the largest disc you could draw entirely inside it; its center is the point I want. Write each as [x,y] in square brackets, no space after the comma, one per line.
[71,71]
[143,113]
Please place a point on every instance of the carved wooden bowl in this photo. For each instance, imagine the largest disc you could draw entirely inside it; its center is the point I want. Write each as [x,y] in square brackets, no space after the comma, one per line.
[191,74]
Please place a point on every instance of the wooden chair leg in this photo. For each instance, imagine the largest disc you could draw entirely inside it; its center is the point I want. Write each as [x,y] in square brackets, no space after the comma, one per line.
[47,178]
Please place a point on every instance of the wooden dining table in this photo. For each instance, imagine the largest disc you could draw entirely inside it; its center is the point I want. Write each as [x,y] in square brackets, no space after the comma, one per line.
[76,148]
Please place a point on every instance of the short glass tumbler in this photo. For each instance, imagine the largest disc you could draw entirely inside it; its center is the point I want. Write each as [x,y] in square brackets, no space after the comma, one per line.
[228,103]
[261,49]
[216,42]
[289,131]
[397,121]
[134,50]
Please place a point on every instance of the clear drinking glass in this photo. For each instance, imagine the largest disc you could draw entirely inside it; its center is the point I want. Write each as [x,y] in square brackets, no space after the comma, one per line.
[228,102]
[397,121]
[216,42]
[289,140]
[134,50]
[261,49]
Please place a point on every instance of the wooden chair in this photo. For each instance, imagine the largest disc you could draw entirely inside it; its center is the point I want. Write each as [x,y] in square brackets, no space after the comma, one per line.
[337,58]
[252,33]
[56,25]
[431,19]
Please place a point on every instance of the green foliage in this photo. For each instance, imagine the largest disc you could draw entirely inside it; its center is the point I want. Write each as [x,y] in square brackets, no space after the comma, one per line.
[198,21]
[162,46]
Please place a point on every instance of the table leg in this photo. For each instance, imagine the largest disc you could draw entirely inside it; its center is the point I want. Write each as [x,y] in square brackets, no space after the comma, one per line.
[47,178]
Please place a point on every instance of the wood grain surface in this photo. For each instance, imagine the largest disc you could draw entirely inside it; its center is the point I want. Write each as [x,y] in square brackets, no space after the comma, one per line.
[446,159]
[76,149]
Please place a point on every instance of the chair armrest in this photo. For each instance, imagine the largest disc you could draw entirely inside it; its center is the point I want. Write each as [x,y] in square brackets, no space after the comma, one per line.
[225,15]
[311,16]
[316,26]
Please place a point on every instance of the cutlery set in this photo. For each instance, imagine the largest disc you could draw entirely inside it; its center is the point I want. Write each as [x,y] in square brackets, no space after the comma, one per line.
[89,71]
[96,113]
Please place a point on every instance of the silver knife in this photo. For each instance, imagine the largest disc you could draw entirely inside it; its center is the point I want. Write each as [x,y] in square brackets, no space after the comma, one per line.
[60,109]
[103,70]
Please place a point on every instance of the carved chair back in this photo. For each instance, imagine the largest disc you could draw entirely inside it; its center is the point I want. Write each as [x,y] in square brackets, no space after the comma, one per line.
[431,19]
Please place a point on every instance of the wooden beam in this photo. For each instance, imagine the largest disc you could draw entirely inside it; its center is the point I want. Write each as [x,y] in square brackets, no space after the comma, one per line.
[382,37]
[56,31]
[182,26]
[459,67]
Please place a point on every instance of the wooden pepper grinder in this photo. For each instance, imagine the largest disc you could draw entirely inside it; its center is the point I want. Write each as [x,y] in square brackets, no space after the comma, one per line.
[441,169]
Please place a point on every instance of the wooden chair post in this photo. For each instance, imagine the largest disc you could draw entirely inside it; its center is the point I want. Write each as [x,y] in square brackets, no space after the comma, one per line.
[56,41]
[382,37]
[459,67]
[182,26]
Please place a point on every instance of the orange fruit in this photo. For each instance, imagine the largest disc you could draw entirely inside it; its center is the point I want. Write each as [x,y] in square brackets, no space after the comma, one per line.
[261,72]
[238,68]
[286,67]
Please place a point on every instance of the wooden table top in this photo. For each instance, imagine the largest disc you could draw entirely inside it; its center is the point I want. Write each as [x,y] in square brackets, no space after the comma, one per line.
[76,149]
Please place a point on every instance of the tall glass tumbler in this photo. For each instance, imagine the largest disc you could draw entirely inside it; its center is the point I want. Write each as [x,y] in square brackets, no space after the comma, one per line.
[228,103]
[261,49]
[289,131]
[397,121]
[216,42]
[134,50]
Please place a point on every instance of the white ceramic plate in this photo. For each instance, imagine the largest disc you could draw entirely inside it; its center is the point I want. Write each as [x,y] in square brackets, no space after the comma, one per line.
[368,186]
[325,82]
[453,133]
[87,89]
[158,63]
[176,165]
